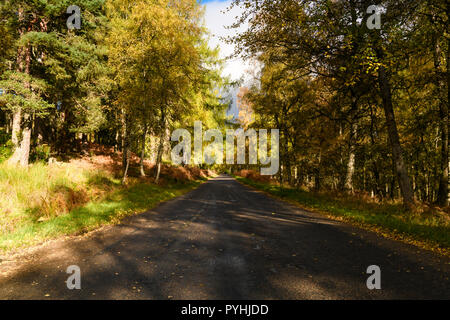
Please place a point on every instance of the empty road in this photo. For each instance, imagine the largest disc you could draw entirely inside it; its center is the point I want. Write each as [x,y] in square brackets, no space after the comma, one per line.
[227,241]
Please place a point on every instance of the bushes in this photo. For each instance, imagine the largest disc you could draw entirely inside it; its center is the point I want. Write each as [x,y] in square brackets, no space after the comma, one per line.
[50,197]
[253,175]
[186,173]
[41,153]
[5,151]
[60,201]
[5,145]
[42,201]
[41,192]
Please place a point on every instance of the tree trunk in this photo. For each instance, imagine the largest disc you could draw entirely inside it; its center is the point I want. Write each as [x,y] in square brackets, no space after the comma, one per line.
[16,127]
[351,159]
[160,146]
[125,145]
[15,137]
[22,140]
[353,130]
[124,139]
[287,160]
[116,141]
[127,165]
[144,136]
[317,178]
[26,141]
[350,171]
[394,139]
[442,197]
[159,156]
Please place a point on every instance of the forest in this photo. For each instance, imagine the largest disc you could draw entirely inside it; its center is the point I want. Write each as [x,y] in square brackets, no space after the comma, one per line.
[360,109]
[134,69]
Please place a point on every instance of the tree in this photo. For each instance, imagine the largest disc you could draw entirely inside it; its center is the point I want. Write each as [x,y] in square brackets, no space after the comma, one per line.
[329,39]
[160,58]
[51,66]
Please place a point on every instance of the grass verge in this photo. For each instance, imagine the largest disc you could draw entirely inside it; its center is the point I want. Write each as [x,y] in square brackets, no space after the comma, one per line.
[43,202]
[427,230]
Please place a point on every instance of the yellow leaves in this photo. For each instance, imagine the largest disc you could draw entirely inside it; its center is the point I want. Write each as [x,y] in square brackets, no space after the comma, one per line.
[157,52]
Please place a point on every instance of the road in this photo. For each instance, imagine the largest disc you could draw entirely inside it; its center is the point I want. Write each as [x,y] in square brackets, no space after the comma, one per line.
[227,241]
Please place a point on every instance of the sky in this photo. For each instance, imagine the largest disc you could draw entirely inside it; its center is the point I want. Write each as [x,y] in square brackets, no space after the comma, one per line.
[216,21]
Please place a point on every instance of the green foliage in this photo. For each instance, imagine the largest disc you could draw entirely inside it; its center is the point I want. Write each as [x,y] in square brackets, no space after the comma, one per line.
[5,145]
[41,153]
[23,92]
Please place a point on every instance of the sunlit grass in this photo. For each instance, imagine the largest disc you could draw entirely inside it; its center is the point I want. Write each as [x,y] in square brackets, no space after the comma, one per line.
[42,202]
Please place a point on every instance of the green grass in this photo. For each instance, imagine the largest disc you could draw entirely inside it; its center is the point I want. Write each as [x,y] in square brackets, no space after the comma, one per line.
[43,202]
[429,229]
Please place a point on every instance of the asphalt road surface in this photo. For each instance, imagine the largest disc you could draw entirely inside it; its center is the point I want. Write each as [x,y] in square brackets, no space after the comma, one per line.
[227,241]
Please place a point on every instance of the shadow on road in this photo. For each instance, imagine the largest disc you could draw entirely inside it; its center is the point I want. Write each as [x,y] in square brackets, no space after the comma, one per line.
[225,241]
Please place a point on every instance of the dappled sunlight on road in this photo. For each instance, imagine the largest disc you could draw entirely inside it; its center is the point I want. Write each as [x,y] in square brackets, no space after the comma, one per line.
[226,241]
